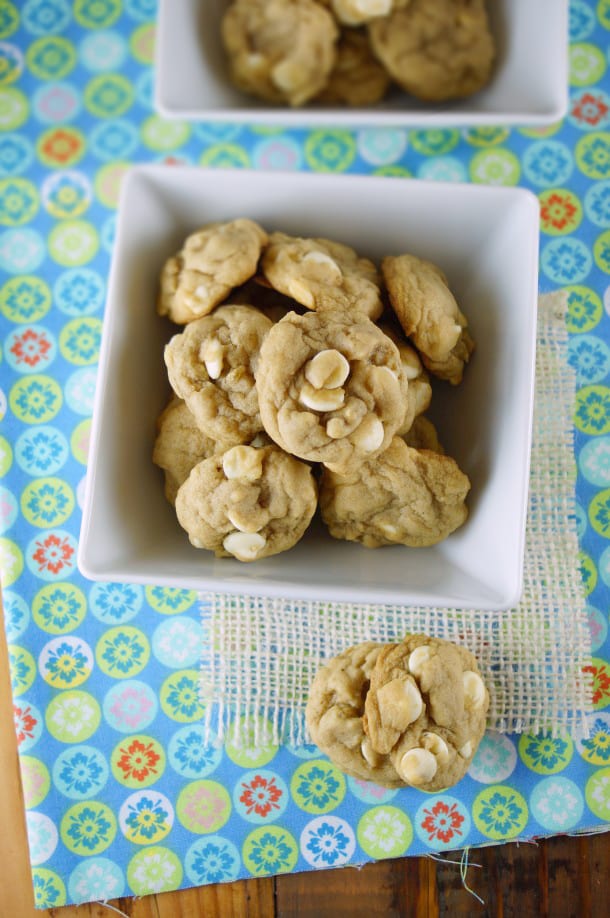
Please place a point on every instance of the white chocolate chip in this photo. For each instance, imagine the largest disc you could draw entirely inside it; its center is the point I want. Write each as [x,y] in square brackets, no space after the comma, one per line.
[301,293]
[368,753]
[243,462]
[437,746]
[212,355]
[417,767]
[411,364]
[474,690]
[331,269]
[384,376]
[197,543]
[369,435]
[356,12]
[241,522]
[245,546]
[321,399]
[400,703]
[287,75]
[259,440]
[327,369]
[418,659]
[466,750]
[388,529]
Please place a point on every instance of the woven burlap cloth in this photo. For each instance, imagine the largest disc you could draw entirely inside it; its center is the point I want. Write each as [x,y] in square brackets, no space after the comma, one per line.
[260,655]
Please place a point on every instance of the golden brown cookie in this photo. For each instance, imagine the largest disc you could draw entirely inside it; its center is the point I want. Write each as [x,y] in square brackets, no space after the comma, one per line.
[330,388]
[334,712]
[179,445]
[426,708]
[280,50]
[212,261]
[403,496]
[429,314]
[247,502]
[211,365]
[436,49]
[322,274]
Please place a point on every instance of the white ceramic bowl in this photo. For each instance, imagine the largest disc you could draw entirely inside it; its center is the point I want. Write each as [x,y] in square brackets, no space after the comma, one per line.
[484,238]
[529,84]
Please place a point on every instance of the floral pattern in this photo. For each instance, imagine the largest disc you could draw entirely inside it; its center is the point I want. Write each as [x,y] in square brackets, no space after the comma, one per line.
[123,796]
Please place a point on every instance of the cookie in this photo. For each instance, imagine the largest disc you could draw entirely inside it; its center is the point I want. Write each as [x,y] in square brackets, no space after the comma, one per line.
[180,445]
[426,709]
[330,388]
[357,77]
[279,50]
[322,274]
[212,261]
[247,503]
[428,313]
[404,496]
[334,712]
[436,50]
[211,365]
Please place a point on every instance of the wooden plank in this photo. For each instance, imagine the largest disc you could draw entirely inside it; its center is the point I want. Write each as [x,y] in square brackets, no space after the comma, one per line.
[244,899]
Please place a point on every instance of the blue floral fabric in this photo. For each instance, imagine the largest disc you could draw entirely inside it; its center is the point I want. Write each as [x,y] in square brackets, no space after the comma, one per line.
[122,796]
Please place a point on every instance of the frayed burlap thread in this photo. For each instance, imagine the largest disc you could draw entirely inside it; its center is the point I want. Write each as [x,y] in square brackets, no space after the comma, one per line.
[260,655]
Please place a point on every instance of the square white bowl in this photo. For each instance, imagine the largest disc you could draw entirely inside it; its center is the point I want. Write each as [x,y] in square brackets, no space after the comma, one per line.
[484,238]
[529,83]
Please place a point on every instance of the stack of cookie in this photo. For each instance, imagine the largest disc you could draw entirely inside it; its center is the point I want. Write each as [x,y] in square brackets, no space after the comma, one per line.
[350,51]
[411,713]
[301,377]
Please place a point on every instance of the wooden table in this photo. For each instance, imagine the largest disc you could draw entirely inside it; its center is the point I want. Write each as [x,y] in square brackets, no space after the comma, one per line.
[559,877]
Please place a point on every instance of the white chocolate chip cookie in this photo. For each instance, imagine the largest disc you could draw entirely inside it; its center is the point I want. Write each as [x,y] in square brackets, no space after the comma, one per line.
[213,261]
[247,503]
[322,274]
[334,713]
[426,709]
[211,365]
[436,49]
[357,77]
[357,12]
[180,445]
[404,496]
[330,388]
[280,50]
[424,306]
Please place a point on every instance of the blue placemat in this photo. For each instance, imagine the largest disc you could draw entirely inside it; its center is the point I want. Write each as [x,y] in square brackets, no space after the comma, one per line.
[121,796]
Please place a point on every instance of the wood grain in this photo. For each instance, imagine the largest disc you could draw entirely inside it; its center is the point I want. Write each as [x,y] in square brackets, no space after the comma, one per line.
[560,877]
